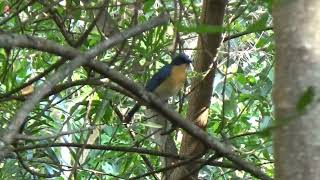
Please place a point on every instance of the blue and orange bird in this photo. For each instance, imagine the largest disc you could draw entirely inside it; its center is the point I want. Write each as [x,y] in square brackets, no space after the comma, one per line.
[166,82]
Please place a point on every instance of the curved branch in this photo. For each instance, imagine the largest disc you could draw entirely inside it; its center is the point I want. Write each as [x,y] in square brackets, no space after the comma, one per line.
[101,147]
[148,98]
[245,33]
[13,40]
[33,172]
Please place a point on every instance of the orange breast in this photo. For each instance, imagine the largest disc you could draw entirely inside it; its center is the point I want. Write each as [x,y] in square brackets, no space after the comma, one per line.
[178,75]
[174,83]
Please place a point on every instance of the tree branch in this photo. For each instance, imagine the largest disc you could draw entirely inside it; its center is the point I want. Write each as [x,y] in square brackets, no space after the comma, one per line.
[101,147]
[148,98]
[13,40]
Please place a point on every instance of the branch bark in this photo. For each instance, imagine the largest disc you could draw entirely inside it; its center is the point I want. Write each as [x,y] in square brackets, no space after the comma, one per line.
[149,99]
[101,147]
[80,59]
[199,102]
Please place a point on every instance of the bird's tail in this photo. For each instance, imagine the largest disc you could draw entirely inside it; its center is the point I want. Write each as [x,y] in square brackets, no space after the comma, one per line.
[130,114]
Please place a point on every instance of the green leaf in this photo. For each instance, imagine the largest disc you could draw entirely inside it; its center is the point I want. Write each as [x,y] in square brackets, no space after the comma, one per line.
[101,109]
[306,99]
[151,124]
[147,5]
[265,122]
[252,80]
[259,24]
[262,42]
[241,79]
[108,114]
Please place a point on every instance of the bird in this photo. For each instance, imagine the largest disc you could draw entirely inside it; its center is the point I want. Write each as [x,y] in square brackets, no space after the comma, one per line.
[166,82]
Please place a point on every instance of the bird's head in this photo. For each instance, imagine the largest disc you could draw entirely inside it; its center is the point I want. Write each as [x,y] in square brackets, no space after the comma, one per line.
[181,59]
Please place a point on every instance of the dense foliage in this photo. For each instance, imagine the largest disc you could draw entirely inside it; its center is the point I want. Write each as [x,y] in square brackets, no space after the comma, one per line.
[241,107]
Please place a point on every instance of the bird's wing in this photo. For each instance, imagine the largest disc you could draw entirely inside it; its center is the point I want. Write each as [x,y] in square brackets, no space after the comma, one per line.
[158,78]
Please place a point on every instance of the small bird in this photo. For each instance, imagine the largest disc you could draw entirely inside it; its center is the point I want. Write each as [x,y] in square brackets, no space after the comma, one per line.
[166,82]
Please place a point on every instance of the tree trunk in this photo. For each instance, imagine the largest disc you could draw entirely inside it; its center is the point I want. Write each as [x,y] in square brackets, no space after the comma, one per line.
[296,90]
[199,102]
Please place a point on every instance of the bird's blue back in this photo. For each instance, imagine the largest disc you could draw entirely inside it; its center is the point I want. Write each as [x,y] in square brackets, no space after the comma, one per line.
[158,78]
